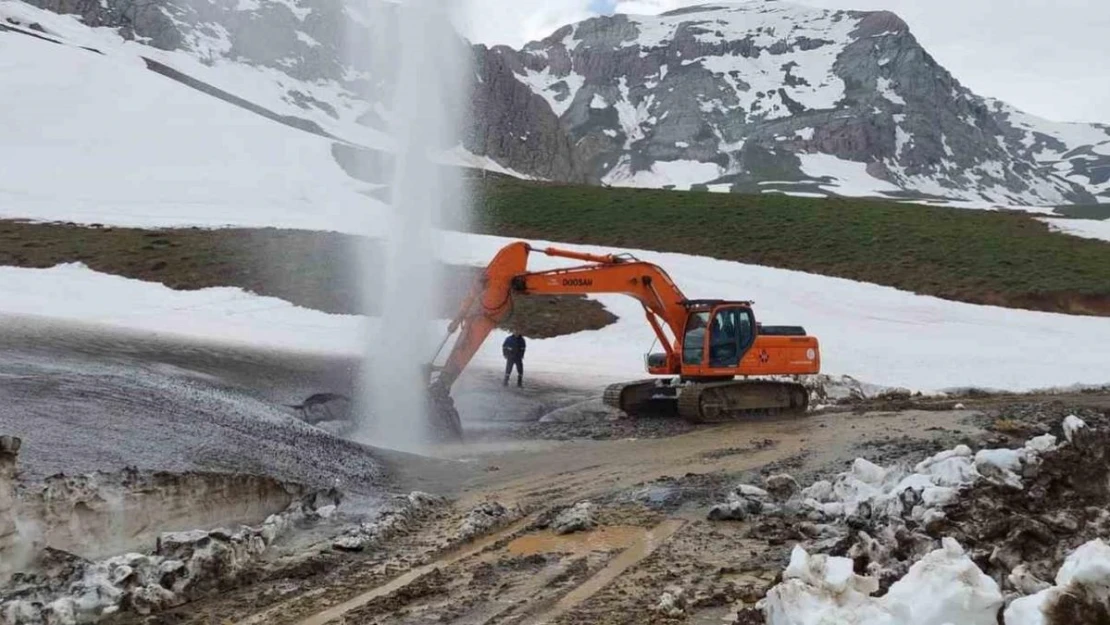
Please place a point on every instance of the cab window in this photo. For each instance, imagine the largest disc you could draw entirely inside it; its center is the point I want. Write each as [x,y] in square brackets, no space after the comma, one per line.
[693,343]
[730,335]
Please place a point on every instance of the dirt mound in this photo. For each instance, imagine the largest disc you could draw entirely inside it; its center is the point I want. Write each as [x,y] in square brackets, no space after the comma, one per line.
[1063,504]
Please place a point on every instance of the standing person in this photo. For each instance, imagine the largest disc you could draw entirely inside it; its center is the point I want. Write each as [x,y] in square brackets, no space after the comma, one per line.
[513,350]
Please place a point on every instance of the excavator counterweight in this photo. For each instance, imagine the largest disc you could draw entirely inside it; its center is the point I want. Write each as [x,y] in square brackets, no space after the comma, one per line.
[707,344]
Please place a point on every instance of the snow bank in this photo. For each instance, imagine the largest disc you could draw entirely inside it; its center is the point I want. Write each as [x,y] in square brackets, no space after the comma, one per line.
[1083,228]
[73,292]
[877,493]
[943,587]
[849,178]
[183,564]
[680,174]
[398,518]
[1083,581]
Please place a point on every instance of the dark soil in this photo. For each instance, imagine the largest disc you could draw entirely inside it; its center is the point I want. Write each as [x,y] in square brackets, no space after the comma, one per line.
[1063,506]
[312,269]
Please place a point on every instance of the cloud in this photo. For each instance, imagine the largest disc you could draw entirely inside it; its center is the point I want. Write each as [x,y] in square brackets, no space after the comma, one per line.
[516,22]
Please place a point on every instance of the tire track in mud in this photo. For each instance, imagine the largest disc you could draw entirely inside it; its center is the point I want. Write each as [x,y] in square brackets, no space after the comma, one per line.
[631,556]
[451,557]
[548,608]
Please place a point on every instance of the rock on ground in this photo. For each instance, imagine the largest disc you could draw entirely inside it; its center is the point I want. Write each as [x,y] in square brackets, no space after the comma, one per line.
[577,518]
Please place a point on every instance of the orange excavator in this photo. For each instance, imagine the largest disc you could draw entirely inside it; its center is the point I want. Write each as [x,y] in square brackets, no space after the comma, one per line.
[707,344]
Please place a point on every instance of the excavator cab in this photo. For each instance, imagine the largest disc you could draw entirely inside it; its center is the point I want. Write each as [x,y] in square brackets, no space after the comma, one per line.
[717,337]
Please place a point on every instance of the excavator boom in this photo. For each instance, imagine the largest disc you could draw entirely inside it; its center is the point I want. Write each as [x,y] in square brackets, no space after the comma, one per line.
[672,317]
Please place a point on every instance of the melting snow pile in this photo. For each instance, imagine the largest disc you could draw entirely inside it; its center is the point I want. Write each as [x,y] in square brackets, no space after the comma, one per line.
[875,492]
[1015,512]
[404,511]
[943,587]
[484,517]
[183,565]
[1081,593]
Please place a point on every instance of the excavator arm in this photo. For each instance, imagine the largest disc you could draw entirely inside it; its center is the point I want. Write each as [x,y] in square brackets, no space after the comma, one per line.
[489,301]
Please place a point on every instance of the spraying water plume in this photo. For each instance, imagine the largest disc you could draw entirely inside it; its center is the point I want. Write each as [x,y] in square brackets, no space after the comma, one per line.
[424,114]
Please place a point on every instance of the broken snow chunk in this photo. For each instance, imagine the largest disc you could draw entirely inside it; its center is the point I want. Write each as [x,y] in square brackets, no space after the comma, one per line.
[868,472]
[485,517]
[949,468]
[1089,565]
[672,602]
[349,543]
[936,496]
[1041,444]
[1025,582]
[1000,466]
[1083,581]
[820,491]
[934,521]
[745,490]
[1072,424]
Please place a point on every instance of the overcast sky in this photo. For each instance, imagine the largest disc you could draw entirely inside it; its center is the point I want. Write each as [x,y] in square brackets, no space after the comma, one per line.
[1048,57]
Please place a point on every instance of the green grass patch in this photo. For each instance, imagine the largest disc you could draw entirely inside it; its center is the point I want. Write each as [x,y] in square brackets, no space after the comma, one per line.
[966,255]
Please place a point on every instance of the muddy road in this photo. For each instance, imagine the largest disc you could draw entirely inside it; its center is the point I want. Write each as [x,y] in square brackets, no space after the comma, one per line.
[607,531]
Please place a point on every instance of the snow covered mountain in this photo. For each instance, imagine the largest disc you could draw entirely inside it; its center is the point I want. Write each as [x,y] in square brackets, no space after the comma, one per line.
[761,96]
[770,95]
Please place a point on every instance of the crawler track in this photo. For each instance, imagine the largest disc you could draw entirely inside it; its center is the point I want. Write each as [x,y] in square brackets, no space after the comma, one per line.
[708,402]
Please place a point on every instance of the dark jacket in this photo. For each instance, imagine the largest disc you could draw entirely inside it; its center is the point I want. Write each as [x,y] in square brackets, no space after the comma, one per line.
[513,348]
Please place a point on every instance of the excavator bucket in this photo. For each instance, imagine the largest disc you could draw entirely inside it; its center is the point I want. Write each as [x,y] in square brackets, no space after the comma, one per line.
[444,418]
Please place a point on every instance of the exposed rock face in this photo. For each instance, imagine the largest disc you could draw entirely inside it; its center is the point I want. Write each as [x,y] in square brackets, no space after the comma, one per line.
[735,94]
[515,126]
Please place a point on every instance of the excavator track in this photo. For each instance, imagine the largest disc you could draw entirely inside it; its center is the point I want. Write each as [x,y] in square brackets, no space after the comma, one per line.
[708,402]
[642,398]
[737,400]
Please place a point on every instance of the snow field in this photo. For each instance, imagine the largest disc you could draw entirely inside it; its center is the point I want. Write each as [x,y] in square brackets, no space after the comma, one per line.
[1084,228]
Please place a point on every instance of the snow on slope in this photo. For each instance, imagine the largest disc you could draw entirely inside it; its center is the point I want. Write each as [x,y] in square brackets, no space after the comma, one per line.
[1084,228]
[759,22]
[75,293]
[873,333]
[847,178]
[679,175]
[99,138]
